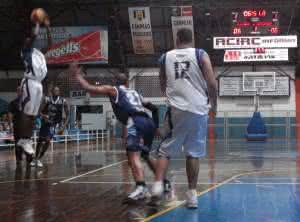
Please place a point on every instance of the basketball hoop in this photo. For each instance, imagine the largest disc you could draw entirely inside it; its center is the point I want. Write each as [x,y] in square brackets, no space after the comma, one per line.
[259,83]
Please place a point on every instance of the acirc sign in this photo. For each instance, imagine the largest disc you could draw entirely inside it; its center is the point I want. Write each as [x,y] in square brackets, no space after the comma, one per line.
[247,42]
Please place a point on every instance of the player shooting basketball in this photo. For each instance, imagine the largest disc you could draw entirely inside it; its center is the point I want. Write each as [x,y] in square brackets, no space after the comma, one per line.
[31,87]
[130,109]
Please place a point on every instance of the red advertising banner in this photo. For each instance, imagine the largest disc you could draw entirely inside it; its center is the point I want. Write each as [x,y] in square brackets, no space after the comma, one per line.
[83,48]
[186,11]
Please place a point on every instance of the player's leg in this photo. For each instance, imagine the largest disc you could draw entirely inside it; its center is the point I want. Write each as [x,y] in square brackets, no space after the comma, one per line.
[169,147]
[25,128]
[133,150]
[45,147]
[32,92]
[43,144]
[195,147]
[18,149]
[148,132]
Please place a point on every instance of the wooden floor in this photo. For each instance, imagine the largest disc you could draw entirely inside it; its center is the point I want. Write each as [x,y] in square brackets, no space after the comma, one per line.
[91,186]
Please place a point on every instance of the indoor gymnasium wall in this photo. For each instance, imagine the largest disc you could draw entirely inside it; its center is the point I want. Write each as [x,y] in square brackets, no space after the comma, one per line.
[279,113]
[270,106]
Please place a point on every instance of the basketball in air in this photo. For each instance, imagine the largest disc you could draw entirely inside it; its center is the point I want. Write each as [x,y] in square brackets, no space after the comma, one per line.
[38,15]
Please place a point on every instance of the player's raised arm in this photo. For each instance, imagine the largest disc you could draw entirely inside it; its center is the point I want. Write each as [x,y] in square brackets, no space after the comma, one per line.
[104,90]
[49,38]
[211,81]
[30,40]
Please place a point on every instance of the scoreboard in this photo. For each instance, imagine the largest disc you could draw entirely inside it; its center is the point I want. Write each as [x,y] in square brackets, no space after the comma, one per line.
[249,22]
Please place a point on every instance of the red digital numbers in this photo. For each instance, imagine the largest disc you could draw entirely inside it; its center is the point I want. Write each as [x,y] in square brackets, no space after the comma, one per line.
[255,13]
[237,31]
[274,30]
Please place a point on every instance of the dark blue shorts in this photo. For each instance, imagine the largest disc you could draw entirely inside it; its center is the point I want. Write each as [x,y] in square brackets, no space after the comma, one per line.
[140,134]
[47,131]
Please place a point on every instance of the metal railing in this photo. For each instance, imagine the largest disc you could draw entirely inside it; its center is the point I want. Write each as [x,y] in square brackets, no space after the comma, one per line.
[228,128]
[101,138]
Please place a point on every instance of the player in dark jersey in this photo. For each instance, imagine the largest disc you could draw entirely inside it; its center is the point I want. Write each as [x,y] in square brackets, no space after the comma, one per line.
[129,108]
[32,89]
[52,110]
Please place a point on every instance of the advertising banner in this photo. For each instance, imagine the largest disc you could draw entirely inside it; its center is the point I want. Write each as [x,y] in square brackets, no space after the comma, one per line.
[256,55]
[85,44]
[141,30]
[183,19]
[247,42]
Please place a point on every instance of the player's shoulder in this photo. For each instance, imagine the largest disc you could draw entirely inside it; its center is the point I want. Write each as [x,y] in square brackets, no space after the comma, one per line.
[62,99]
[37,52]
[121,90]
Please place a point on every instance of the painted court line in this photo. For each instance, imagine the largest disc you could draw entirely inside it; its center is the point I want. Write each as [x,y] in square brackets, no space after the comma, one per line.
[32,180]
[178,183]
[93,171]
[202,193]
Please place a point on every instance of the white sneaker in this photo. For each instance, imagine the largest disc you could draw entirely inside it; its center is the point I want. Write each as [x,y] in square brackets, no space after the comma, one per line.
[26,144]
[140,193]
[33,163]
[39,164]
[157,188]
[192,199]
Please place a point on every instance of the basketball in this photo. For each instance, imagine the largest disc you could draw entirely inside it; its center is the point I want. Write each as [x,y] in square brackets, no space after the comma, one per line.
[38,15]
[60,132]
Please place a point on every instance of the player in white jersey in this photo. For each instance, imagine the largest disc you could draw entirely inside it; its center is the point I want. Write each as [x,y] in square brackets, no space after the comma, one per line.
[187,78]
[32,89]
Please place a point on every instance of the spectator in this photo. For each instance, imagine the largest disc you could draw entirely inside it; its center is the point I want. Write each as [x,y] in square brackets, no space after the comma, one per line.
[5,117]
[3,135]
[6,127]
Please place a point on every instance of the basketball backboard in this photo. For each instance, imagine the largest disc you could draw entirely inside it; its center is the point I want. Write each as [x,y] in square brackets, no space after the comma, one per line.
[259,82]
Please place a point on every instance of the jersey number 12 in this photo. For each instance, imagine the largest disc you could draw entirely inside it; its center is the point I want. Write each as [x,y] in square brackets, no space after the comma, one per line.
[181,69]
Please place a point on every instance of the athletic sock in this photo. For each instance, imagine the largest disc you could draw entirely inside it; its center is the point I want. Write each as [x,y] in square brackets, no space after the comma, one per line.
[166,181]
[140,183]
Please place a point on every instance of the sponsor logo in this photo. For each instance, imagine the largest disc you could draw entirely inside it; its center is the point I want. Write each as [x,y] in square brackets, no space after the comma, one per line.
[258,54]
[68,48]
[139,14]
[289,41]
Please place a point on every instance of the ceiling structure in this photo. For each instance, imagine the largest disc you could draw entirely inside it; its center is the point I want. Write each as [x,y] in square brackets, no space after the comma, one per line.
[14,22]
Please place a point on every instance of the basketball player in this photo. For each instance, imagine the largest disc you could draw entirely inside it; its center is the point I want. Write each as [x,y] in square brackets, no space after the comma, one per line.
[32,89]
[187,77]
[129,108]
[52,110]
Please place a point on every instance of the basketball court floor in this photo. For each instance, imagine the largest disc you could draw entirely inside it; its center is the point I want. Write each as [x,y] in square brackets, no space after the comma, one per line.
[240,182]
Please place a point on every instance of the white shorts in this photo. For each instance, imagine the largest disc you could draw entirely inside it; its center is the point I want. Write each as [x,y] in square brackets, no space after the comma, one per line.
[187,133]
[32,93]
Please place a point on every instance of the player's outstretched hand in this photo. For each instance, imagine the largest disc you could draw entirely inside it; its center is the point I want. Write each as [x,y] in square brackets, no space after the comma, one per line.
[75,70]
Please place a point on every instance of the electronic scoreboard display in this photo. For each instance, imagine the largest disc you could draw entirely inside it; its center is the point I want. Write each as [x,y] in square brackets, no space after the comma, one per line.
[255,22]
